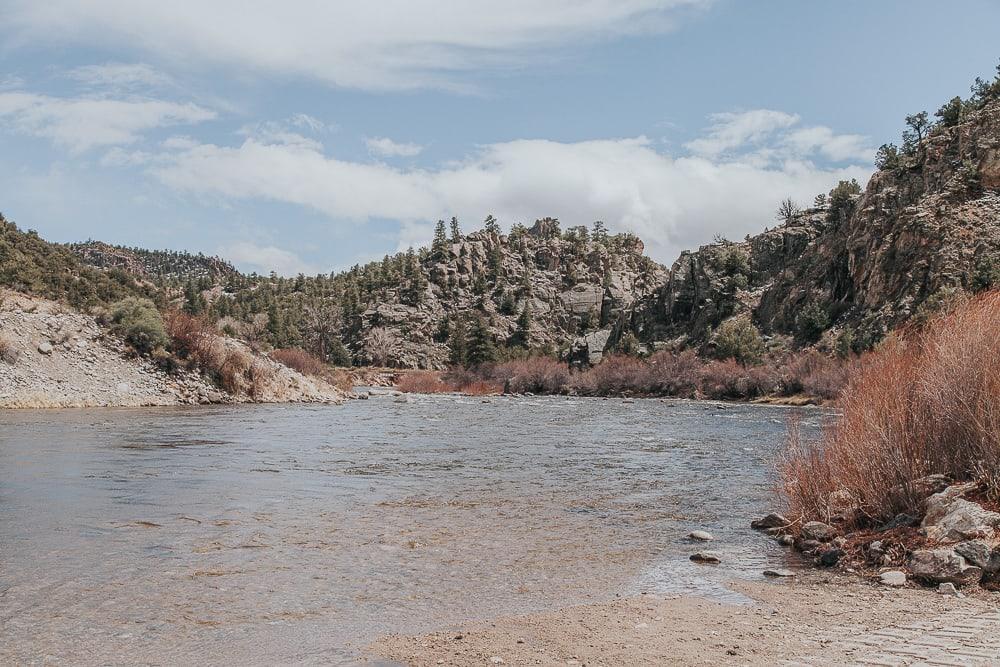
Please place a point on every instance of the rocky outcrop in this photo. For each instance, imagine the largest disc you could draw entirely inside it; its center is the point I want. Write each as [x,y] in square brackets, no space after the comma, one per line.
[572,284]
[951,518]
[867,263]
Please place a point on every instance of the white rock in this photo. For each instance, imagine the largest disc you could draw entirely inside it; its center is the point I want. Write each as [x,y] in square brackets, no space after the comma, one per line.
[700,535]
[45,347]
[948,588]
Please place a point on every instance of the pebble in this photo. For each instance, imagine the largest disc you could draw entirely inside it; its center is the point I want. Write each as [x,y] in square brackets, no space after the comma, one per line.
[701,536]
[892,578]
[948,588]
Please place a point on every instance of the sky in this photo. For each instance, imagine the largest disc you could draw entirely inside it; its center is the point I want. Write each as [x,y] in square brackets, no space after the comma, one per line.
[311,135]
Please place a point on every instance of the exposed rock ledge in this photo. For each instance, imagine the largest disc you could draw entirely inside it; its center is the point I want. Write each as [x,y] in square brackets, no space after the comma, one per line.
[66,359]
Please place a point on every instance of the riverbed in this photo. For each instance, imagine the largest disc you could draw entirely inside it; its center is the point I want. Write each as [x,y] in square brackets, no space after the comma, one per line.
[300,534]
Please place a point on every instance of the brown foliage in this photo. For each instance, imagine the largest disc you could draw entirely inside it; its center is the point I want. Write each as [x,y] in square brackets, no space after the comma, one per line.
[422,382]
[923,404]
[537,375]
[298,359]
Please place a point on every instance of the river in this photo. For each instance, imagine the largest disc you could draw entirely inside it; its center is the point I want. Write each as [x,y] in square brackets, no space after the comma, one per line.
[298,534]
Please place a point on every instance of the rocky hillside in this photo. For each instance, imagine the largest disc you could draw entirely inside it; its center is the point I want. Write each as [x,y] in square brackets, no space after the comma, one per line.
[857,264]
[52,356]
[535,288]
[148,264]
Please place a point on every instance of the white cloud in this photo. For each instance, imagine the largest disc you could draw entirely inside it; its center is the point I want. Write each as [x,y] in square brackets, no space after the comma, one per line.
[764,136]
[391,44]
[671,202]
[81,123]
[120,76]
[264,259]
[386,147]
[736,130]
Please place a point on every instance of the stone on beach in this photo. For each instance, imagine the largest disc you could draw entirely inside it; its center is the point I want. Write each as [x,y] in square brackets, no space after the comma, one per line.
[770,521]
[779,573]
[706,557]
[943,566]
[893,578]
[950,517]
[700,536]
[818,531]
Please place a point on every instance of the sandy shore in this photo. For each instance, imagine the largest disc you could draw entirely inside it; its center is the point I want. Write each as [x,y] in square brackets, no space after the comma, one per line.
[815,618]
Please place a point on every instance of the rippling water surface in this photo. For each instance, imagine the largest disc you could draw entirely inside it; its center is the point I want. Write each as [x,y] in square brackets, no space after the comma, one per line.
[297,534]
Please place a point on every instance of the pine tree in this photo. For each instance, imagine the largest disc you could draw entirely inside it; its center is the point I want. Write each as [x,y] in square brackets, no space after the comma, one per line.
[457,342]
[440,243]
[456,233]
[491,226]
[481,349]
[522,335]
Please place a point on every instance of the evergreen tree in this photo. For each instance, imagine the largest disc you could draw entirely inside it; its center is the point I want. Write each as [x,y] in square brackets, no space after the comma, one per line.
[457,342]
[481,348]
[440,243]
[522,335]
[456,233]
[491,226]
[194,301]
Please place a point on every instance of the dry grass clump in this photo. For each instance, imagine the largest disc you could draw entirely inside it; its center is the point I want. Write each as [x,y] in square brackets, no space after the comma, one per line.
[816,374]
[925,403]
[9,353]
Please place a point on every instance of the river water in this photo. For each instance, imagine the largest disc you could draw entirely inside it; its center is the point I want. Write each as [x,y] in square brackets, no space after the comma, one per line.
[298,534]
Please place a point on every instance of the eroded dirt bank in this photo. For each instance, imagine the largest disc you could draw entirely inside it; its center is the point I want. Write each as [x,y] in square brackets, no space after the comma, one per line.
[54,357]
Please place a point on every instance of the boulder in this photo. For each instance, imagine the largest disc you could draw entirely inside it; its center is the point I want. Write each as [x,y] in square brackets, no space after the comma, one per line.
[779,573]
[943,566]
[980,554]
[952,518]
[786,540]
[808,547]
[769,521]
[700,536]
[948,588]
[45,347]
[900,521]
[831,557]
[818,531]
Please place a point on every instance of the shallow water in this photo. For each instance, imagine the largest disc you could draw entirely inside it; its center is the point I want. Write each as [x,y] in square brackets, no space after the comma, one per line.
[297,534]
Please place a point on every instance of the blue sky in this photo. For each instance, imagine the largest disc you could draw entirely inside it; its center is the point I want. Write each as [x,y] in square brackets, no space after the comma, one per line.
[328,133]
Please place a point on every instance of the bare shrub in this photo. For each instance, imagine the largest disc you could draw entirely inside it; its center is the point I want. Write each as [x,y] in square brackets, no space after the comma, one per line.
[8,351]
[191,337]
[617,374]
[422,382]
[537,375]
[815,374]
[670,374]
[482,388]
[923,404]
[299,360]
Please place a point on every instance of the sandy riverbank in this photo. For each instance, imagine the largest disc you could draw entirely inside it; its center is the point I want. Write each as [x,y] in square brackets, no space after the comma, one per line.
[815,618]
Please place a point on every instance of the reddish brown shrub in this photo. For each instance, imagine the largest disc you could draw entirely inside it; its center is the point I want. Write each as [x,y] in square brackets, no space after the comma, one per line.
[537,375]
[482,388]
[815,374]
[670,374]
[422,382]
[191,337]
[927,403]
[298,359]
[618,374]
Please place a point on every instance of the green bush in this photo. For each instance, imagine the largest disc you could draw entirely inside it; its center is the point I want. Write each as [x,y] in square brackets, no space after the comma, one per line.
[139,323]
[811,322]
[739,339]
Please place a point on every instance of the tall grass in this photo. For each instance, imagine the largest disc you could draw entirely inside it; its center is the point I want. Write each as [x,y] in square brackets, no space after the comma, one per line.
[926,402]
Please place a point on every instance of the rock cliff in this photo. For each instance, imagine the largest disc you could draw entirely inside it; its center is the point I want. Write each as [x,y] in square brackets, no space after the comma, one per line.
[862,263]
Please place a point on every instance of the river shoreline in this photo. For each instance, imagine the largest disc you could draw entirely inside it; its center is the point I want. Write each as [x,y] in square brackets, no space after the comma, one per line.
[816,618]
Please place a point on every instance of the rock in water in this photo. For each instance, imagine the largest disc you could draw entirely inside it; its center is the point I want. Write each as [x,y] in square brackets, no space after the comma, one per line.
[818,531]
[893,578]
[778,573]
[770,521]
[786,540]
[700,536]
[706,557]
